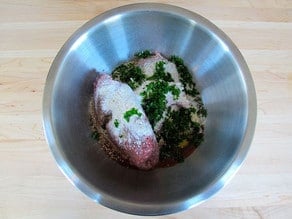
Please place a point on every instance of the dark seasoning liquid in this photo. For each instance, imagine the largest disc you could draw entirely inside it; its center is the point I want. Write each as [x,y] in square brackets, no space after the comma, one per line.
[178,125]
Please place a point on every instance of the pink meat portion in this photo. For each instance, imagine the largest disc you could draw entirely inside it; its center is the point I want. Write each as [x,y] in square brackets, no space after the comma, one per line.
[143,155]
[134,138]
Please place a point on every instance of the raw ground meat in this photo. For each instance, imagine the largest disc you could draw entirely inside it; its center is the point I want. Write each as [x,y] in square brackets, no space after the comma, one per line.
[135,138]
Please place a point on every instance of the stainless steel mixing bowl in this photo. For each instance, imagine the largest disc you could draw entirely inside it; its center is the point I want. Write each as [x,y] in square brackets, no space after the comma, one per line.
[222,77]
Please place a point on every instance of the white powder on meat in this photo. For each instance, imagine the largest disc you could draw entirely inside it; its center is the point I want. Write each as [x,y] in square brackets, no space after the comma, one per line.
[112,105]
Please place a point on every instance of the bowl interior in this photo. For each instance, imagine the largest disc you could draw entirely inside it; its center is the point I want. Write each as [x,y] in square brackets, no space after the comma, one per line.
[104,43]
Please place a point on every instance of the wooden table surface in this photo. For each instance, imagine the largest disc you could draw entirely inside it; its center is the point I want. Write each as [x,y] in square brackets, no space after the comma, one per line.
[32,32]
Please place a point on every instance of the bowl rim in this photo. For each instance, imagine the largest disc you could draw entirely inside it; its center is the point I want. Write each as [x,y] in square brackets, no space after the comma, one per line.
[132,208]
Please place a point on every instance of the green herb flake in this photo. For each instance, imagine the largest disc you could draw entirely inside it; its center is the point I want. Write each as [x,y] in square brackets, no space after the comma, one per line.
[95,135]
[202,111]
[130,113]
[154,100]
[129,74]
[174,91]
[160,74]
[116,123]
[144,54]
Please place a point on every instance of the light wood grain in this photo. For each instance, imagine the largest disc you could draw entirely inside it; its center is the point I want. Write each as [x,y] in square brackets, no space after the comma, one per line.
[33,31]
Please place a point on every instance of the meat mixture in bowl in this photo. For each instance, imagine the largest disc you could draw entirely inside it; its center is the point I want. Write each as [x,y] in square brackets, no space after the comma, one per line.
[148,112]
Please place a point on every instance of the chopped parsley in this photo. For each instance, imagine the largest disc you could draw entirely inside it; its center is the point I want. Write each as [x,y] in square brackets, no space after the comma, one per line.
[185,76]
[178,127]
[159,73]
[144,54]
[130,113]
[174,91]
[95,135]
[202,111]
[116,123]
[130,74]
[154,99]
